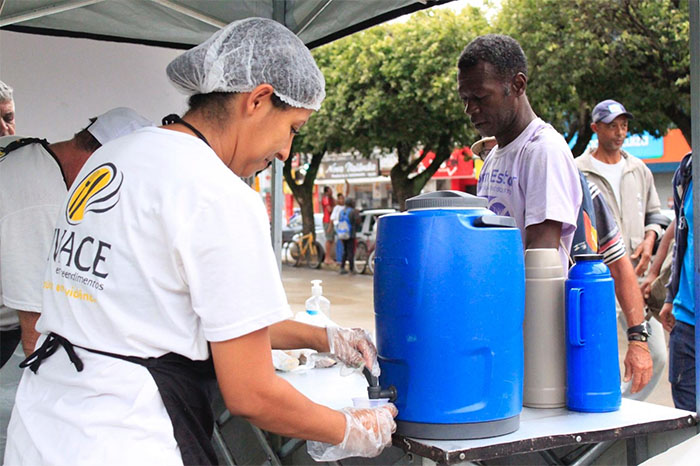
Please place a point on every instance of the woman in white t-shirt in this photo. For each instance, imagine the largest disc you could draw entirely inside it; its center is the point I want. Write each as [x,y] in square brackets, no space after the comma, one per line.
[161,257]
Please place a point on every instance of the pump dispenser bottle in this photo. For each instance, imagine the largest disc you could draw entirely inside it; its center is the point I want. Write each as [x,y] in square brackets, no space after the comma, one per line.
[317,308]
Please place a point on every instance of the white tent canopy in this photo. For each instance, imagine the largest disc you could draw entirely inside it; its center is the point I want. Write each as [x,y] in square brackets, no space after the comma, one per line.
[182,24]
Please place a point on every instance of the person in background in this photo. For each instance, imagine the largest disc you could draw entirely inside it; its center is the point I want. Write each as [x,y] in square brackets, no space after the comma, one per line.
[7,110]
[653,287]
[335,215]
[678,313]
[530,175]
[164,280]
[483,146]
[351,219]
[34,179]
[327,204]
[628,188]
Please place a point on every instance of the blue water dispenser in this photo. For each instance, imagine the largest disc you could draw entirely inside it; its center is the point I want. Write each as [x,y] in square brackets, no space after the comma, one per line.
[449,293]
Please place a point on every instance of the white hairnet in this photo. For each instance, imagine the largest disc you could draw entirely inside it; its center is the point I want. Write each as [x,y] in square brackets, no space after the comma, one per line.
[248,53]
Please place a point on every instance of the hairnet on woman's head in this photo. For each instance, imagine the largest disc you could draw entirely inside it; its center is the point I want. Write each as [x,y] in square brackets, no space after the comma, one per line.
[248,53]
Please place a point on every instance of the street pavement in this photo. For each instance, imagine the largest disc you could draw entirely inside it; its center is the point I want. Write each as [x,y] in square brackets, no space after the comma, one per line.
[352,305]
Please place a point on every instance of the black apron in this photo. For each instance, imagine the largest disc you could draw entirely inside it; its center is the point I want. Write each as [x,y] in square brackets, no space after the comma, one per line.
[185,386]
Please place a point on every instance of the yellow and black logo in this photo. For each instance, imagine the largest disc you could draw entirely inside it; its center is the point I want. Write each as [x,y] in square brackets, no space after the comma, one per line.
[98,192]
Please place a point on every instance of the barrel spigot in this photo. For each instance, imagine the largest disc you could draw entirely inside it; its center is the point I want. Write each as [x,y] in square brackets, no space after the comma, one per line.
[375,391]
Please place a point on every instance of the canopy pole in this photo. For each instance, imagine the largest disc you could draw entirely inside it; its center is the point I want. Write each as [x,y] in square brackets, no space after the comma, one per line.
[694,16]
[276,207]
[279,13]
[41,12]
[190,13]
[314,14]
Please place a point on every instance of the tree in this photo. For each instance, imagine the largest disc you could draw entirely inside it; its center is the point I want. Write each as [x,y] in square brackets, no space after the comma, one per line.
[581,52]
[394,87]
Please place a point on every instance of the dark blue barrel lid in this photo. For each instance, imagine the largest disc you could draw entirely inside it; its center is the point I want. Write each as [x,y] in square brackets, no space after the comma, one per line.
[588,257]
[445,200]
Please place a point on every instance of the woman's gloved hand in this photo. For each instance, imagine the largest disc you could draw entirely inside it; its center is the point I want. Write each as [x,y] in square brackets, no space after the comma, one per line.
[367,433]
[353,346]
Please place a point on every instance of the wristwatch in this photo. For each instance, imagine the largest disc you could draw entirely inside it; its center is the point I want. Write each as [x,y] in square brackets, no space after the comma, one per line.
[639,332]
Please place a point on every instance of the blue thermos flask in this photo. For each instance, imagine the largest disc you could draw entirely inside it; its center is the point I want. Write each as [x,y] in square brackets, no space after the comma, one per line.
[592,367]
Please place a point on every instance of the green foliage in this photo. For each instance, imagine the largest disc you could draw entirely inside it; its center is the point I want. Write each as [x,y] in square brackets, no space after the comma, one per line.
[583,51]
[394,87]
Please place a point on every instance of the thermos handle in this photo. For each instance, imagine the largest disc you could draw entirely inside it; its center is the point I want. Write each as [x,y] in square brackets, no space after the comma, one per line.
[574,317]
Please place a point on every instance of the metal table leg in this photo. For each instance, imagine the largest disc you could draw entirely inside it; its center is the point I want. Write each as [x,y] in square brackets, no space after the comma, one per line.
[637,450]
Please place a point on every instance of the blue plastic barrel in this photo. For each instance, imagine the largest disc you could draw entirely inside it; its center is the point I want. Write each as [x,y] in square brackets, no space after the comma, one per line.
[592,364]
[449,294]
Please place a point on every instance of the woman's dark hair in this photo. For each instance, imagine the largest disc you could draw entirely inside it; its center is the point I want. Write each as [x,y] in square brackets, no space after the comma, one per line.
[279,103]
[211,105]
[214,104]
[502,52]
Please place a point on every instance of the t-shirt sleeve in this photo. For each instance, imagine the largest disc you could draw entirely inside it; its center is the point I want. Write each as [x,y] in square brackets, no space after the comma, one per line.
[229,265]
[610,243]
[25,239]
[551,185]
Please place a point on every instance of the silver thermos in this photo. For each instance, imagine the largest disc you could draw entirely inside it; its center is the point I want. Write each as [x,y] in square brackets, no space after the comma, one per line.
[544,384]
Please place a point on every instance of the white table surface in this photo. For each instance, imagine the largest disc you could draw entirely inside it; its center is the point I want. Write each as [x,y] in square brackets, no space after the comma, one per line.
[535,423]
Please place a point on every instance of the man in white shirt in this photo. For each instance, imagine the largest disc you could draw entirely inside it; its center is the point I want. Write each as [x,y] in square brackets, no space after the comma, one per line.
[628,188]
[335,216]
[34,178]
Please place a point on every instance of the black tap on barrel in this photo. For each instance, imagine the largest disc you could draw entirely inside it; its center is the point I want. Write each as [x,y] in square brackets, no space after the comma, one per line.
[375,391]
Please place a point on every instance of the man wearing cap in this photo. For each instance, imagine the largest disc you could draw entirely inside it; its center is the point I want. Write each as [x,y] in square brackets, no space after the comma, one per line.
[628,188]
[34,179]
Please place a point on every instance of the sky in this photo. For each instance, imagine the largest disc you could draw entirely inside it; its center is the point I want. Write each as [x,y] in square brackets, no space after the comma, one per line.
[456,6]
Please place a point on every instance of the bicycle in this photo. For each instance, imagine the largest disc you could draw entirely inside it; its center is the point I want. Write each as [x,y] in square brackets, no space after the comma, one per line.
[366,240]
[364,256]
[305,249]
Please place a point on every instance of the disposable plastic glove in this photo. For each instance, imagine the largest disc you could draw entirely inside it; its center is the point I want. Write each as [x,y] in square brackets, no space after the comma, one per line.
[367,433]
[353,346]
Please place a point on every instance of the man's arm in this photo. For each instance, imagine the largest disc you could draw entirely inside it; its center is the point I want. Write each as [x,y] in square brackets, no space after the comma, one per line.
[543,235]
[661,253]
[27,322]
[652,231]
[638,364]
[643,252]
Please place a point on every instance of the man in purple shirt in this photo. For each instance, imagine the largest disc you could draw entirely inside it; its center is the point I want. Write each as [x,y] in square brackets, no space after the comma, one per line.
[530,175]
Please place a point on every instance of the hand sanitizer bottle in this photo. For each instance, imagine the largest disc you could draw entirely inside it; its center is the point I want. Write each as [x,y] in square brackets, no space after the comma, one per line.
[317,308]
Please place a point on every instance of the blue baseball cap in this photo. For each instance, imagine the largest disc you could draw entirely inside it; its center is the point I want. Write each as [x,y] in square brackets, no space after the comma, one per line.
[607,110]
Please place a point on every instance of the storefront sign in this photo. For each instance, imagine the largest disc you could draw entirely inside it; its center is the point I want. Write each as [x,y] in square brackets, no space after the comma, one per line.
[454,167]
[348,168]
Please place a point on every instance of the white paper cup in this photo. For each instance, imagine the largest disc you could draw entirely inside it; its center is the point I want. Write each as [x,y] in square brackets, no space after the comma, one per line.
[369,403]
